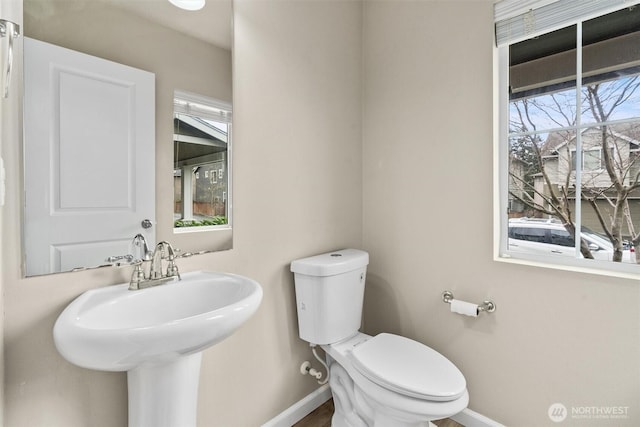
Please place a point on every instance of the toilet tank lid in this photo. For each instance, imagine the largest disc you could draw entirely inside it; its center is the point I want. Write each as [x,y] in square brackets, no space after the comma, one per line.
[331,263]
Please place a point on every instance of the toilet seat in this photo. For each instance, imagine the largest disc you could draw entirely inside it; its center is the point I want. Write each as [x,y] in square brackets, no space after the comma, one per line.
[408,367]
[382,397]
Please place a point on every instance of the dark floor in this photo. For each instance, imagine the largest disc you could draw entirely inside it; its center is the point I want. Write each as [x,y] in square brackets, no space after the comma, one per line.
[321,417]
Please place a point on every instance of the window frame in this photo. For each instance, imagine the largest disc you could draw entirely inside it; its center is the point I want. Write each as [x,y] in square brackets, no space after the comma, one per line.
[501,179]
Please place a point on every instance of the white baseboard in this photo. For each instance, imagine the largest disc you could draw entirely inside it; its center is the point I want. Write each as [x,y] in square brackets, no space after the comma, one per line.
[469,418]
[304,407]
[300,409]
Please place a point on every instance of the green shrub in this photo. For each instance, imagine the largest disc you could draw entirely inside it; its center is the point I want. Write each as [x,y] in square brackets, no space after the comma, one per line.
[216,220]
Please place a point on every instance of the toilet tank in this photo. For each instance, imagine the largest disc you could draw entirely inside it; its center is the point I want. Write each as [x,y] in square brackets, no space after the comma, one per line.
[329,294]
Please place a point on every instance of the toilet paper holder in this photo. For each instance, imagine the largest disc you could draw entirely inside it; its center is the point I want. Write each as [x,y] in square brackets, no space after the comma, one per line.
[488,306]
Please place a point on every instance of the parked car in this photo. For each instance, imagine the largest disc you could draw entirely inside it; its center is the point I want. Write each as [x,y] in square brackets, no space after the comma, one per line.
[549,237]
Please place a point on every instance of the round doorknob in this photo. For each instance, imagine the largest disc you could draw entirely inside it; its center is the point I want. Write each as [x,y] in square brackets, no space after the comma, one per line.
[146,223]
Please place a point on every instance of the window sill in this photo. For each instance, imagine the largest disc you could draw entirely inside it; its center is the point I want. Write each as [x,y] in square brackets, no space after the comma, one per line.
[620,270]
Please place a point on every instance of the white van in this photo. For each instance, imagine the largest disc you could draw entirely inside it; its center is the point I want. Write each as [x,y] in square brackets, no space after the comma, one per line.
[549,237]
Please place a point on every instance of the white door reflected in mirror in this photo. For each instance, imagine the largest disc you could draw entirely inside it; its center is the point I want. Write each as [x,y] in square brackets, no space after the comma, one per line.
[89,183]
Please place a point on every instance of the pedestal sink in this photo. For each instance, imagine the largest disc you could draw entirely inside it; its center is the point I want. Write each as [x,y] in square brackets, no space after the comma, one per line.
[157,335]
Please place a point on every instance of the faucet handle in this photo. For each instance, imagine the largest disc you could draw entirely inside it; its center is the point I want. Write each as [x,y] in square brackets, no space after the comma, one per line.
[120,258]
[167,251]
[177,253]
[172,270]
[137,276]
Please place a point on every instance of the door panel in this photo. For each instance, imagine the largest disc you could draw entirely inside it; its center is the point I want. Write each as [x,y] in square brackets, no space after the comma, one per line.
[89,158]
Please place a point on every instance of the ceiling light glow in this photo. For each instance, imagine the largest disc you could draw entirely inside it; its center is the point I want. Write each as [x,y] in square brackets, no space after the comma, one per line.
[188,4]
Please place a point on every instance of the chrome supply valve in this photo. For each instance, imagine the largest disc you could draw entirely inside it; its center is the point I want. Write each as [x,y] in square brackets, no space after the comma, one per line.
[306,368]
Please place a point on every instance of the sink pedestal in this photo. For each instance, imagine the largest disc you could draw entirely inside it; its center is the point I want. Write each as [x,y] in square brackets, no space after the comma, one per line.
[164,394]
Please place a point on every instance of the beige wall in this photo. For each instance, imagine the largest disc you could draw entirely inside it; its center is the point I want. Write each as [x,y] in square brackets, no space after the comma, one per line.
[556,336]
[297,187]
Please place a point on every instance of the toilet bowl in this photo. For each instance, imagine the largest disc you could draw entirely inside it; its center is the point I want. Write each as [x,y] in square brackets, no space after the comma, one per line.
[377,381]
[389,380]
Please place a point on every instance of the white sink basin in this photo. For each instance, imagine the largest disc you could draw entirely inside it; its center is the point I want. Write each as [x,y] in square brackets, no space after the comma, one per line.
[157,335]
[115,329]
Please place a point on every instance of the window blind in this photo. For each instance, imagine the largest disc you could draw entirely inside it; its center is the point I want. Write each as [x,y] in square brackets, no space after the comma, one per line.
[517,20]
[506,9]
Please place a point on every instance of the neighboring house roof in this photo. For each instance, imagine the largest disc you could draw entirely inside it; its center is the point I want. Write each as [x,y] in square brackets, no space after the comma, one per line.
[516,159]
[556,147]
[197,138]
[629,132]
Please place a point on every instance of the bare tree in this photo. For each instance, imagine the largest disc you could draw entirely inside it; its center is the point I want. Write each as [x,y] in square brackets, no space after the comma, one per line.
[635,236]
[606,192]
[556,200]
[603,101]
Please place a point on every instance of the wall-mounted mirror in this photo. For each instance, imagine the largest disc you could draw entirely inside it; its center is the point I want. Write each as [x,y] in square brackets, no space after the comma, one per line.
[89,161]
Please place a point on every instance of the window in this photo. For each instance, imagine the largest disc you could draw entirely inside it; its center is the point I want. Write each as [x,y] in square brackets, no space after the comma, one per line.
[569,131]
[592,159]
[202,148]
[561,237]
[529,234]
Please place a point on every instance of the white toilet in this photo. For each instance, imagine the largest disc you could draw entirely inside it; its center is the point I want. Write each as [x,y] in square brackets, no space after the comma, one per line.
[382,381]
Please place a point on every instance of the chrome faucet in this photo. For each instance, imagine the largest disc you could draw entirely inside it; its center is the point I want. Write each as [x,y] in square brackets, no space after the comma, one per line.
[155,271]
[139,280]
